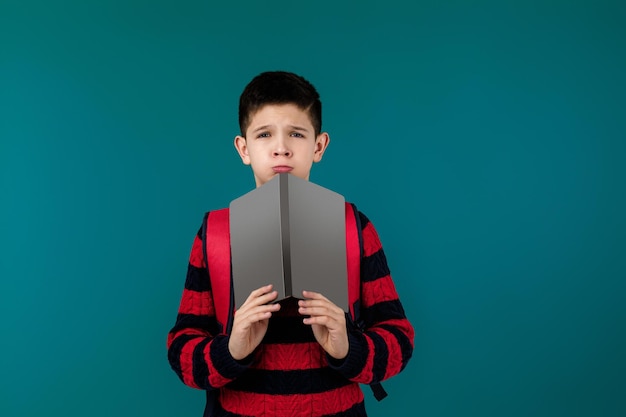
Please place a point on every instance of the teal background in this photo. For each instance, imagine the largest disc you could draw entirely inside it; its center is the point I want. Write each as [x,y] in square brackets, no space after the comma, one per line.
[485,139]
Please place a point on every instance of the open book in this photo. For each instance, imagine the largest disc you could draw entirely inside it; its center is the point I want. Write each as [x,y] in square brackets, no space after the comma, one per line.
[290,233]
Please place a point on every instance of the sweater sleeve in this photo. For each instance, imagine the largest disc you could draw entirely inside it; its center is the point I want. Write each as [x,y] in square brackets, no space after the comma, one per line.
[383,344]
[197,352]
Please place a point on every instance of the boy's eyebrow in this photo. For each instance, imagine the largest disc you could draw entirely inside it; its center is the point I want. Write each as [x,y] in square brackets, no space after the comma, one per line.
[261,128]
[294,127]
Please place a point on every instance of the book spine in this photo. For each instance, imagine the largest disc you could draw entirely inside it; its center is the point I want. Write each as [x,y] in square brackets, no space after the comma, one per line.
[284,233]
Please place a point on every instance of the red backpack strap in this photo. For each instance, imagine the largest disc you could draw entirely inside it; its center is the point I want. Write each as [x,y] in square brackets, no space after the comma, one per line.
[217,255]
[353,254]
[354,245]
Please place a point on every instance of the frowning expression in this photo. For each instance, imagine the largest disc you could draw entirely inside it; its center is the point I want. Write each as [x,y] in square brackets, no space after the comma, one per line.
[280,138]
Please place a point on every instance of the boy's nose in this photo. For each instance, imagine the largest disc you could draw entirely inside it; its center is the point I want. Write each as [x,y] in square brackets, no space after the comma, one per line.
[281,149]
[282,152]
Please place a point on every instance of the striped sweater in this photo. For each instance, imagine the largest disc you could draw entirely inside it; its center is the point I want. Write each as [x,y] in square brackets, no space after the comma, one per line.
[289,374]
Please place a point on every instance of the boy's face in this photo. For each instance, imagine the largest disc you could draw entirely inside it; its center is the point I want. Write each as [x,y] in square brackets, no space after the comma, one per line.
[280,138]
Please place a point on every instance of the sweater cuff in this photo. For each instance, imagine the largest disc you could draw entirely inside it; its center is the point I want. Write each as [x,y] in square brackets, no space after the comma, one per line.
[224,362]
[354,362]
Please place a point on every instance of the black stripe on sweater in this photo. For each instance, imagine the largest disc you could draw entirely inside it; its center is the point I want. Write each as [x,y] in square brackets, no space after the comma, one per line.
[297,333]
[197,279]
[186,321]
[374,266]
[386,310]
[200,367]
[381,356]
[363,220]
[357,410]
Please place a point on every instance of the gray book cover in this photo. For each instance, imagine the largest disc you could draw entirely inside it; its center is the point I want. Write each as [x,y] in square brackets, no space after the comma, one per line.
[290,233]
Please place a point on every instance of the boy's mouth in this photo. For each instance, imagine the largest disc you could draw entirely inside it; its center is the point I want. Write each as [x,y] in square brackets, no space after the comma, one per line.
[282,168]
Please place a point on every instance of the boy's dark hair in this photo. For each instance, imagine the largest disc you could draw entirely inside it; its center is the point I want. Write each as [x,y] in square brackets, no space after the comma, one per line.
[279,87]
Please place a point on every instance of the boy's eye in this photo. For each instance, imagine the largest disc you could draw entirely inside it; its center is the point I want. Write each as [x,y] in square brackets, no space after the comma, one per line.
[263,135]
[297,135]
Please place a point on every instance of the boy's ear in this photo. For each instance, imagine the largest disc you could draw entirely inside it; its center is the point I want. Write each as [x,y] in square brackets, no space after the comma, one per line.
[242,149]
[321,143]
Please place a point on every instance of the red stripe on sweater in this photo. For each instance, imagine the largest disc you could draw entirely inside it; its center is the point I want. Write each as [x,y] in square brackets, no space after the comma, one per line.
[378,291]
[291,357]
[197,303]
[196,258]
[367,373]
[296,405]
[186,362]
[371,242]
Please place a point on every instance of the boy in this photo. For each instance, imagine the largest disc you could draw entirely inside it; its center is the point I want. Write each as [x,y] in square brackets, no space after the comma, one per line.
[294,357]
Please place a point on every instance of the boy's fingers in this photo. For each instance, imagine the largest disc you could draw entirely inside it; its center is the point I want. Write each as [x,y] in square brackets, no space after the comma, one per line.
[259,291]
[313,295]
[322,304]
[320,313]
[261,295]
[249,313]
[316,299]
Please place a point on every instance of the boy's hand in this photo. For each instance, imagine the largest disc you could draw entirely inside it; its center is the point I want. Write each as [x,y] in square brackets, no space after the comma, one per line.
[250,322]
[327,321]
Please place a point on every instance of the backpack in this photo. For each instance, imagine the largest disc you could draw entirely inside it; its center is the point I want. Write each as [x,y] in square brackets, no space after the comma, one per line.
[216,250]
